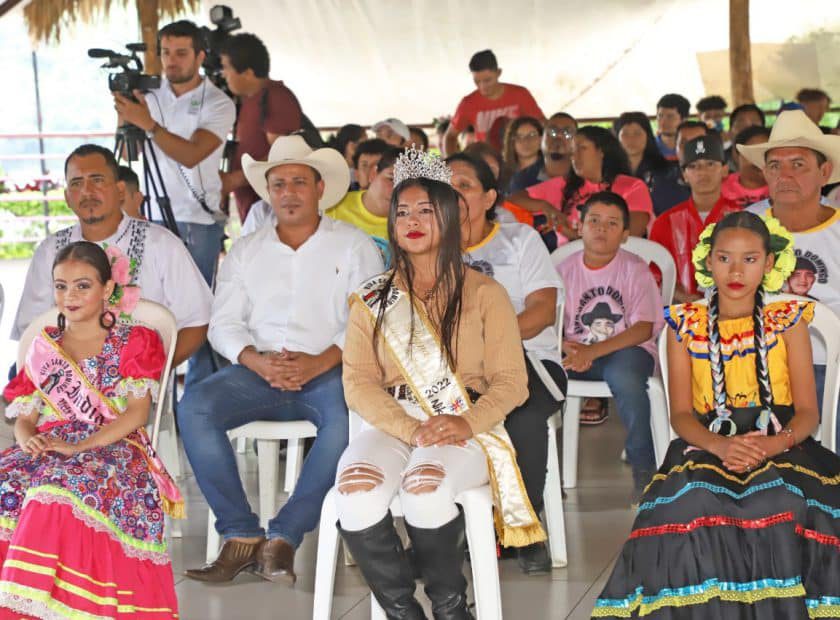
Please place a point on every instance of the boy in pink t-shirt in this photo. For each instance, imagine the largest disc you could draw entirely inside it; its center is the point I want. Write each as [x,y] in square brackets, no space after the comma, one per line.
[612,316]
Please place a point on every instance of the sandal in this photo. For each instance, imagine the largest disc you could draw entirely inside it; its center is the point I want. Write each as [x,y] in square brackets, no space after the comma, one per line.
[594,412]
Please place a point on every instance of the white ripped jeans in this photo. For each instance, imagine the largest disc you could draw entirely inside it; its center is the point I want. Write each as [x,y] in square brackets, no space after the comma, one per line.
[376,466]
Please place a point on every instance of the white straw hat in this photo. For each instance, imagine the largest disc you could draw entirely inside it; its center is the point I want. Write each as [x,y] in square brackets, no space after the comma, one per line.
[294,150]
[793,128]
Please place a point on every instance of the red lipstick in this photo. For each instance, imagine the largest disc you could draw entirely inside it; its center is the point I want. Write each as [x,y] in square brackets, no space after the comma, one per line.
[415,234]
[735,286]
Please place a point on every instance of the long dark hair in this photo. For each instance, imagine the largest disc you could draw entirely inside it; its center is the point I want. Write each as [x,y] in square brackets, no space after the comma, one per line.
[347,134]
[451,270]
[484,175]
[652,158]
[752,222]
[509,155]
[86,252]
[615,162]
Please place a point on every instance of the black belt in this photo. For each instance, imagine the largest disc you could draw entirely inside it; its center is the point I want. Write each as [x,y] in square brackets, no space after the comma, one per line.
[404,392]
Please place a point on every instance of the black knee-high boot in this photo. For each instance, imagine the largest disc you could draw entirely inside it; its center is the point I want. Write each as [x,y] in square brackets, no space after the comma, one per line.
[380,555]
[440,556]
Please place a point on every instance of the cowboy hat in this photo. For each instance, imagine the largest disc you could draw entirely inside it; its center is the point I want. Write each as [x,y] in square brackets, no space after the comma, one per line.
[293,150]
[794,129]
[600,311]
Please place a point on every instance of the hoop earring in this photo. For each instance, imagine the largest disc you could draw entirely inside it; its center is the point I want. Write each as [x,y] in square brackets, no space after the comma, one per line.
[112,318]
[61,321]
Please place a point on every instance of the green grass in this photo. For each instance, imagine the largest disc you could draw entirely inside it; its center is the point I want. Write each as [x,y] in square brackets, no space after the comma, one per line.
[35,206]
[32,204]
[16,250]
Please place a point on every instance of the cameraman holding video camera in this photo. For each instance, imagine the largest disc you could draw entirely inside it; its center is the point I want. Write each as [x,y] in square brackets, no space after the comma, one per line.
[187,121]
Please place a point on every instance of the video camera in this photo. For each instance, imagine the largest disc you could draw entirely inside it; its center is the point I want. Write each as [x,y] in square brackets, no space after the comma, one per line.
[222,17]
[129,79]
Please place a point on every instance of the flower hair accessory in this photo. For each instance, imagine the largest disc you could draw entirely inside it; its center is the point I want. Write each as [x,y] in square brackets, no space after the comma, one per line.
[781,245]
[126,295]
[414,164]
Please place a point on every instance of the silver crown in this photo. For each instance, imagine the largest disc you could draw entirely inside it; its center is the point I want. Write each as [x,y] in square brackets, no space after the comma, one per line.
[414,164]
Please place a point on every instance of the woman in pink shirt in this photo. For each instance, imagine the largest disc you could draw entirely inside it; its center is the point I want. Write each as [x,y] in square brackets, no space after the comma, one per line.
[598,163]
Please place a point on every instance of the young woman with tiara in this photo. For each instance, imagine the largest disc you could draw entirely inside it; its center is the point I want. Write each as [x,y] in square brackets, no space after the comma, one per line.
[82,494]
[741,521]
[433,363]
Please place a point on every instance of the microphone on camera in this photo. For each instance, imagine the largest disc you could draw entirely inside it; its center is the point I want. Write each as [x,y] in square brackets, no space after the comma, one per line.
[98,52]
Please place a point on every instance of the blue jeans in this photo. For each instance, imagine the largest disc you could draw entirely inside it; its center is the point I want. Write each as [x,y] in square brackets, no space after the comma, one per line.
[626,372]
[819,377]
[204,243]
[235,396]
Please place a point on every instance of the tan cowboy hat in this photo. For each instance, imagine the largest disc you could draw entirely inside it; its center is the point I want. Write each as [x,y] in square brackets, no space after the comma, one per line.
[329,163]
[793,128]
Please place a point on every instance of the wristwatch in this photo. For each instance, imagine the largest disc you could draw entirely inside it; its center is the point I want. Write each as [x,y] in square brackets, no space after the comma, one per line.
[151,133]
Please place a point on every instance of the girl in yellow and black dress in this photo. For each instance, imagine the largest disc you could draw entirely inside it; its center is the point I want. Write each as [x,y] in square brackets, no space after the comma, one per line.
[743,518]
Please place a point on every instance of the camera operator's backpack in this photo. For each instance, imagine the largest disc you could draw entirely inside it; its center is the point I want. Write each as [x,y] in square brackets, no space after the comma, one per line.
[307,130]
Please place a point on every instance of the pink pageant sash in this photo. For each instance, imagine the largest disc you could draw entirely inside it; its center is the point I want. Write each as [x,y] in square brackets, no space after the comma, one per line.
[62,385]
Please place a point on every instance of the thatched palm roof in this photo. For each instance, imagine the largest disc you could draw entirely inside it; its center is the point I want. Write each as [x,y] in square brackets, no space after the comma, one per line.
[46,18]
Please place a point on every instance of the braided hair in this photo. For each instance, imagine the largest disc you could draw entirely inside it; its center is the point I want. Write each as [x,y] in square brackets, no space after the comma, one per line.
[754,223]
[715,357]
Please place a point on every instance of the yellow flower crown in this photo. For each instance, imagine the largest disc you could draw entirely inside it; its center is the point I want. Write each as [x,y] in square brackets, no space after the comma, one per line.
[781,244]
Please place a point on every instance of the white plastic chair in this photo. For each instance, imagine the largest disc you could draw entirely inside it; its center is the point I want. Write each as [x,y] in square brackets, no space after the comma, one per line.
[651,252]
[555,520]
[268,436]
[826,325]
[481,538]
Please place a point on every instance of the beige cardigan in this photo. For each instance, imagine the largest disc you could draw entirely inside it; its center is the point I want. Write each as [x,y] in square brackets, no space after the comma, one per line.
[489,353]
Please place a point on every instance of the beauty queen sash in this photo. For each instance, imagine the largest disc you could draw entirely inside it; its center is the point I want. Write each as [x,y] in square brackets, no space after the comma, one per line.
[65,388]
[438,390]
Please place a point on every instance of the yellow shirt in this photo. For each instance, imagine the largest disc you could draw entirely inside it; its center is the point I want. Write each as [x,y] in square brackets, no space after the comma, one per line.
[737,345]
[353,211]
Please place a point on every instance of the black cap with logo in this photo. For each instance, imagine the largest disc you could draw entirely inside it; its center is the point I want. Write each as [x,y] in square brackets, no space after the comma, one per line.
[703,147]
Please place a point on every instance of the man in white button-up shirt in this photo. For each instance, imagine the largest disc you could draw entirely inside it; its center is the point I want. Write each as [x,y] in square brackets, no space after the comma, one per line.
[279,313]
[163,269]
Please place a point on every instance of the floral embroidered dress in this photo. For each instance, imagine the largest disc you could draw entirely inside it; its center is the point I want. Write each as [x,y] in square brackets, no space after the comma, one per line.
[81,537]
[710,543]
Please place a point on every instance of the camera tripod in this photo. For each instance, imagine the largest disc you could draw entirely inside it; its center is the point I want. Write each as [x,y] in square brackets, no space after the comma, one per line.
[132,141]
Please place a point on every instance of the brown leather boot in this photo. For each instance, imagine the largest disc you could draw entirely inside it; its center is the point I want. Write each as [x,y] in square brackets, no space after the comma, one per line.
[276,561]
[234,557]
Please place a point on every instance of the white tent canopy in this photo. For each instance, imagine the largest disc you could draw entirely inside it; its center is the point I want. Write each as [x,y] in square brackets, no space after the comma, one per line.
[365,60]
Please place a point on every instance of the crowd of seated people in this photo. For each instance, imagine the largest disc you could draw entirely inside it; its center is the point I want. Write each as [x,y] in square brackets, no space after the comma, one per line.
[427,302]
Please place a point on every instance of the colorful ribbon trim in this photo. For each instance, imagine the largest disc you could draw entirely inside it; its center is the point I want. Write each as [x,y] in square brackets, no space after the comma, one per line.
[749,592]
[693,465]
[714,521]
[823,539]
[677,320]
[38,493]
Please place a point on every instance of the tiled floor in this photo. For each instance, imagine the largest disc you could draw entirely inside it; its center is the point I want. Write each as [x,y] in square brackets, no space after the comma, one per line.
[598,519]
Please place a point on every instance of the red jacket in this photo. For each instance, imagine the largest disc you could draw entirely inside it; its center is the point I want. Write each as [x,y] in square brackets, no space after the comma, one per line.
[679,228]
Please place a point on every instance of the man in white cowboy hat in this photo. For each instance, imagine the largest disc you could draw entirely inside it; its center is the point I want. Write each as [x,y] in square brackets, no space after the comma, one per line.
[279,315]
[798,161]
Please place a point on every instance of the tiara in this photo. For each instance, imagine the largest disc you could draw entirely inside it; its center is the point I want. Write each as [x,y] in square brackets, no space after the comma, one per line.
[414,164]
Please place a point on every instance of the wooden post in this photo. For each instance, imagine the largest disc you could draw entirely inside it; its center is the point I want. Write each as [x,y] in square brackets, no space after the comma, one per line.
[147,15]
[740,61]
